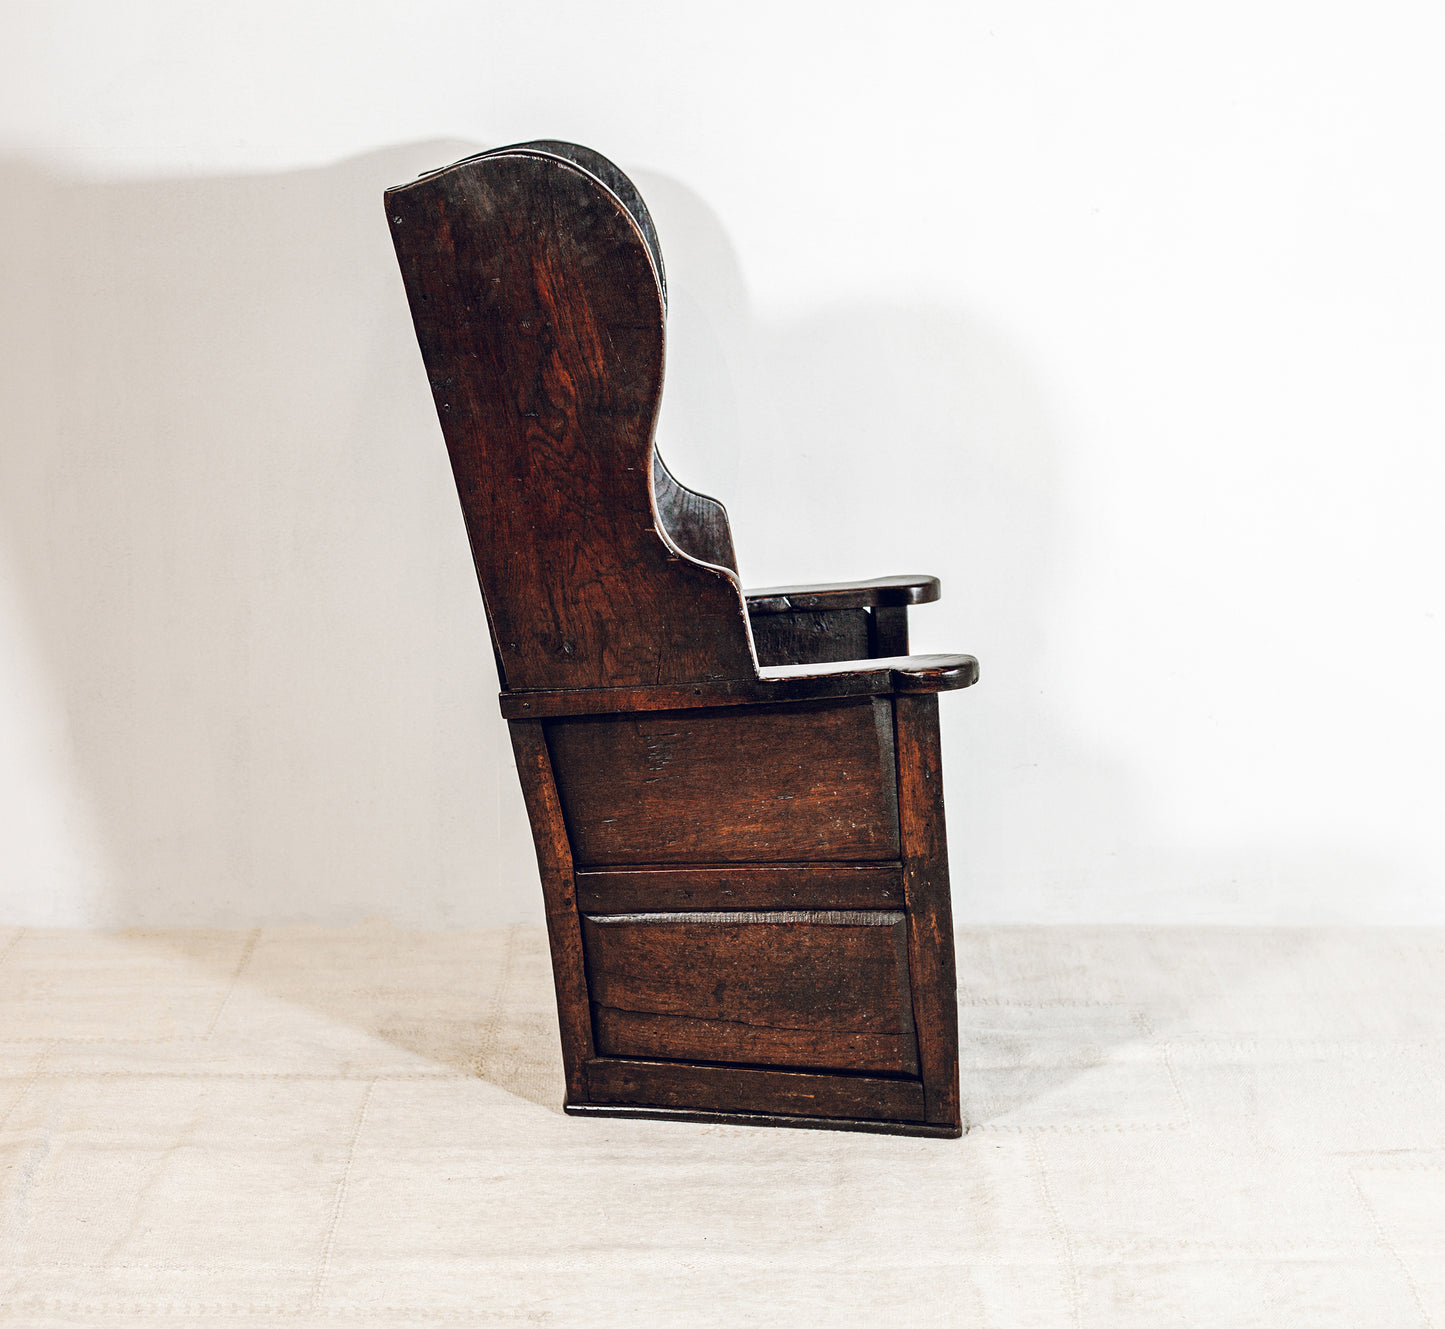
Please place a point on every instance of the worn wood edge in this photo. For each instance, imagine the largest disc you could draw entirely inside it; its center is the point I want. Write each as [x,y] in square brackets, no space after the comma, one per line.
[840,918]
[542,704]
[538,148]
[877,592]
[928,1130]
[918,673]
[564,925]
[887,632]
[729,561]
[928,905]
[777,683]
[724,886]
[653,1081]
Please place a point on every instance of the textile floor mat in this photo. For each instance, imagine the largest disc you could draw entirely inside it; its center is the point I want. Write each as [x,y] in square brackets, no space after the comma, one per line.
[1167,1127]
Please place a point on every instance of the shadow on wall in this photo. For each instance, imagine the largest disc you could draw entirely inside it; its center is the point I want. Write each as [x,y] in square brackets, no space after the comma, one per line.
[869,439]
[920,437]
[227,505]
[887,438]
[925,443]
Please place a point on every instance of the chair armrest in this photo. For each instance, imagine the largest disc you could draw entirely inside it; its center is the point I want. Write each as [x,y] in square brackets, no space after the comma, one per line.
[899,674]
[879,593]
[906,673]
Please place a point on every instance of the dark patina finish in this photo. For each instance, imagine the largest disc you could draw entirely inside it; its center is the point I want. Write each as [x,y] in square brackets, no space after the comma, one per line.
[736,797]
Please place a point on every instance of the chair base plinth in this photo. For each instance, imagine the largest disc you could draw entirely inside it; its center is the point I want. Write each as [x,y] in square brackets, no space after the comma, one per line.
[640,1111]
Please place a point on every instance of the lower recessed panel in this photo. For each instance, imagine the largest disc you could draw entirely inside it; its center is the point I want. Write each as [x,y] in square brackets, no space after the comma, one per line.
[817,989]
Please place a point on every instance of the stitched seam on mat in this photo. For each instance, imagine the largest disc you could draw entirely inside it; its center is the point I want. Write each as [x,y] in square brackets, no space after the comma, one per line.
[1145,1248]
[247,951]
[1397,1167]
[1046,1003]
[1061,1231]
[1079,1128]
[339,1204]
[149,1266]
[12,944]
[82,1074]
[1166,1055]
[1425,1317]
[486,1045]
[26,1086]
[193,1309]
[1164,1049]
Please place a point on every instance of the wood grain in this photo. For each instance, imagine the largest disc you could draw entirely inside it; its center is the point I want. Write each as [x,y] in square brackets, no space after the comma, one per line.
[564,930]
[929,905]
[696,524]
[741,1089]
[540,318]
[768,784]
[822,989]
[808,682]
[741,886]
[914,590]
[739,791]
[706,1117]
[812,636]
[888,631]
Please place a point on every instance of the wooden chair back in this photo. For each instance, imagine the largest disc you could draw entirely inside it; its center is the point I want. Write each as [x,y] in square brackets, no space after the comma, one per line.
[538,298]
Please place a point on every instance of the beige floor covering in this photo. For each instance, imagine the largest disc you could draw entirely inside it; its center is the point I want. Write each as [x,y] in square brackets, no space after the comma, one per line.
[1169,1127]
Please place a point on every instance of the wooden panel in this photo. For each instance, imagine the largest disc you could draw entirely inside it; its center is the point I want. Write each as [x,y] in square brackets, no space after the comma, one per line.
[554,863]
[817,637]
[735,1089]
[766,784]
[888,633]
[539,314]
[696,524]
[594,163]
[737,886]
[930,910]
[822,989]
[769,803]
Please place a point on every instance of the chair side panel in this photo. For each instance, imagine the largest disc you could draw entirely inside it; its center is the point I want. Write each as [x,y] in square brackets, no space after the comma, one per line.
[824,990]
[540,320]
[789,783]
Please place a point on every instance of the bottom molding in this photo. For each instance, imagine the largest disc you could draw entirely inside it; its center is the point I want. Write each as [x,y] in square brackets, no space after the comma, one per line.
[639,1111]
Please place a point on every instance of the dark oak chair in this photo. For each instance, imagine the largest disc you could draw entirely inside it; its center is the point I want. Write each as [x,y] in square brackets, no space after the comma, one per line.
[736,796]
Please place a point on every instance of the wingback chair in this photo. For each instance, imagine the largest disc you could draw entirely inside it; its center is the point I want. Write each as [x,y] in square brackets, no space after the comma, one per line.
[736,796]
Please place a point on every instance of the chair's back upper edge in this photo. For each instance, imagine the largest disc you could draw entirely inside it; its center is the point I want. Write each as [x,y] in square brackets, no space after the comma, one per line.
[590,162]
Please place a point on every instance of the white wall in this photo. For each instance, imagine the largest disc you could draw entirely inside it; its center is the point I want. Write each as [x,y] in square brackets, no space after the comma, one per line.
[1124,319]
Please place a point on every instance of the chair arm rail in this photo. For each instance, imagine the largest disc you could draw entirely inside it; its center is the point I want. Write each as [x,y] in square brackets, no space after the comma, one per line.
[896,675]
[879,593]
